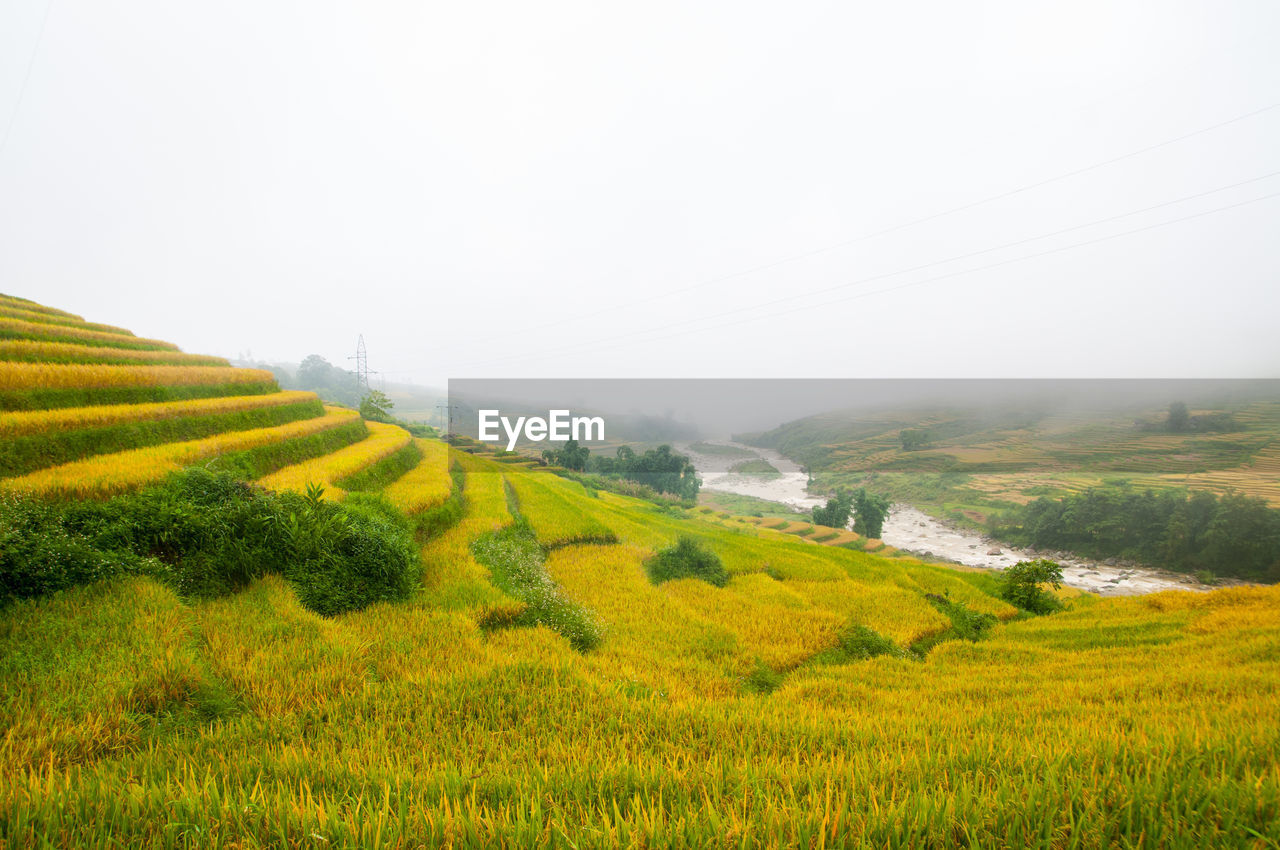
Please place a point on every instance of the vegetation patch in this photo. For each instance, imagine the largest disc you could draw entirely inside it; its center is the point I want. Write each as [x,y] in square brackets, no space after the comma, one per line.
[756,467]
[965,624]
[762,679]
[858,643]
[1232,535]
[1020,585]
[517,565]
[687,559]
[207,535]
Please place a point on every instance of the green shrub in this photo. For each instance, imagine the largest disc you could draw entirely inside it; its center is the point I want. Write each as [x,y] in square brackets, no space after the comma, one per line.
[1020,585]
[859,642]
[762,679]
[38,555]
[965,624]
[1206,577]
[208,534]
[687,559]
[349,556]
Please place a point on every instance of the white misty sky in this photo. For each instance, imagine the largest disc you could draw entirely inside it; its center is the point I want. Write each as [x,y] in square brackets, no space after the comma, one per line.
[500,189]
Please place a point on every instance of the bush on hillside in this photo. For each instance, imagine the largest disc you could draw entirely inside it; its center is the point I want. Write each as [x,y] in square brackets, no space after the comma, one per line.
[1020,585]
[687,559]
[860,642]
[208,534]
[347,557]
[38,555]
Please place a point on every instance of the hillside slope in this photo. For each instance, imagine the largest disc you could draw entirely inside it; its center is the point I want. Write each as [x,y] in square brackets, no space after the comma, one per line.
[541,690]
[983,460]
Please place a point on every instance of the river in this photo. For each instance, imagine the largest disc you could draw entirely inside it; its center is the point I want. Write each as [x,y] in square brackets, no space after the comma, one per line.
[912,530]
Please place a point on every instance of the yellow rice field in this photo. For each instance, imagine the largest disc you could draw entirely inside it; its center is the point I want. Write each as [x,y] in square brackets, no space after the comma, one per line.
[22,422]
[66,352]
[112,473]
[24,304]
[11,328]
[51,319]
[383,441]
[426,485]
[18,376]
[1141,722]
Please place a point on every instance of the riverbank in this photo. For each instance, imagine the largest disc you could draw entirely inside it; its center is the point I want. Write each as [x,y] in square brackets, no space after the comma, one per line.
[912,530]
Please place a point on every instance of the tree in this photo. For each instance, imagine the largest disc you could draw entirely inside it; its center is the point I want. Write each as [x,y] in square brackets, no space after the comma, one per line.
[313,372]
[375,406]
[1020,585]
[663,470]
[870,512]
[1179,420]
[837,510]
[571,456]
[329,382]
[913,439]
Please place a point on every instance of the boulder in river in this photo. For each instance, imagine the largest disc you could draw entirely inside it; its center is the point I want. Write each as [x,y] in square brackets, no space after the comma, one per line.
[994,552]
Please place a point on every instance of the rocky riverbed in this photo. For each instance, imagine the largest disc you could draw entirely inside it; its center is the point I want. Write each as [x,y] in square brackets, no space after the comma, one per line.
[913,530]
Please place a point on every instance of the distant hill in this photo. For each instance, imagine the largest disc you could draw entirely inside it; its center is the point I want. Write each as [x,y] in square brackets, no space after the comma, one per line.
[983,458]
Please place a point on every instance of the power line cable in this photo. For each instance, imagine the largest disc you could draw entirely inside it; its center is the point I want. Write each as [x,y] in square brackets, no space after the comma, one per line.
[22,90]
[592,345]
[897,227]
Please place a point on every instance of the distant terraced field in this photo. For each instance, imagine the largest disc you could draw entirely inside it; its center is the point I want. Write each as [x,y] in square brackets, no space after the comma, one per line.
[975,463]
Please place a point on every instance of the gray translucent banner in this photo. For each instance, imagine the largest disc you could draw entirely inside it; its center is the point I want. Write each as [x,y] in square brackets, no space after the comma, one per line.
[707,417]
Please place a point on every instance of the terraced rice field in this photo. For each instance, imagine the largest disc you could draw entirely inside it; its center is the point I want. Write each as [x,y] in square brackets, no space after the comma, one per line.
[1145,721]
[121,471]
[328,470]
[823,698]
[89,410]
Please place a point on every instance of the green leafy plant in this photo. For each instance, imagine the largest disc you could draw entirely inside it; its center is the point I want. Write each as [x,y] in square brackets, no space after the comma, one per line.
[687,559]
[1021,585]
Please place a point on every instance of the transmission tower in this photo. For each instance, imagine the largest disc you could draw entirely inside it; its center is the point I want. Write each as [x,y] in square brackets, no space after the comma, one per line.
[362,365]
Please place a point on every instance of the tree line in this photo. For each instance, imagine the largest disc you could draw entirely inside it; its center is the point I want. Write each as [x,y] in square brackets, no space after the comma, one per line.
[1231,535]
[662,469]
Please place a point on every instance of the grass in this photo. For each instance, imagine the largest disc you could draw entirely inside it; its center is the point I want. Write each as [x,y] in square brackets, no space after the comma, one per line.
[22,454]
[719,450]
[757,467]
[516,563]
[539,690]
[408,722]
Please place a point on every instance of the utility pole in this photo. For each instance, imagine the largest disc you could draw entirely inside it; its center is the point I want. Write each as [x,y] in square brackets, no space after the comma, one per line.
[446,416]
